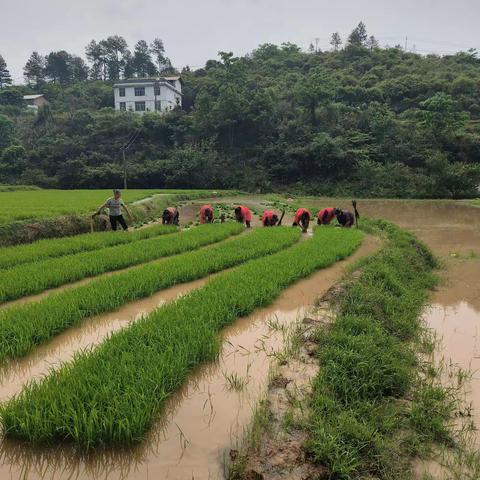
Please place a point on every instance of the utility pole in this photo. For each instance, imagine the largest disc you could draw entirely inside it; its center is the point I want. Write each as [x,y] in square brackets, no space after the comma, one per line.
[316,44]
[406,43]
[124,148]
[124,170]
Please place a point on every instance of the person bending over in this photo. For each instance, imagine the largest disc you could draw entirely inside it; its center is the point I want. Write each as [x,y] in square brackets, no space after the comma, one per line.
[346,218]
[243,215]
[115,205]
[325,216]
[269,219]
[170,216]
[302,219]
[206,214]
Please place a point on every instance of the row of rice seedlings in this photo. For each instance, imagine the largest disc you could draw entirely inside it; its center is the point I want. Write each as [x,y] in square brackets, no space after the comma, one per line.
[36,277]
[112,394]
[22,327]
[58,247]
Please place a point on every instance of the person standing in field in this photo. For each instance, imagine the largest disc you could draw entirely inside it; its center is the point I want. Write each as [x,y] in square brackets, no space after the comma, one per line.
[302,219]
[269,218]
[206,214]
[170,216]
[243,215]
[326,215]
[115,205]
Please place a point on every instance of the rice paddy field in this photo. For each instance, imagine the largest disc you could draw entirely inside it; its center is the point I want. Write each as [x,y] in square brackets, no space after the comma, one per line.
[39,204]
[121,352]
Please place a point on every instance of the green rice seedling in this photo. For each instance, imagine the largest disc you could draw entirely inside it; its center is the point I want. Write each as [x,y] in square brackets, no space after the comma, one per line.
[33,252]
[24,326]
[35,277]
[112,394]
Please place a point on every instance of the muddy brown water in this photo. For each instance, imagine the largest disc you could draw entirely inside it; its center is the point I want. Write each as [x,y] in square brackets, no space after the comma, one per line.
[202,421]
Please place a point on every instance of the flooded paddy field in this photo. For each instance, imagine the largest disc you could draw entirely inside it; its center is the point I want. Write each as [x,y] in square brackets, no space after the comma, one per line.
[208,416]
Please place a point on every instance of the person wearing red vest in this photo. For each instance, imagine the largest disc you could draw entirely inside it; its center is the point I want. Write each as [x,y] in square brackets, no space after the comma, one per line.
[206,214]
[170,216]
[302,219]
[269,219]
[325,216]
[243,215]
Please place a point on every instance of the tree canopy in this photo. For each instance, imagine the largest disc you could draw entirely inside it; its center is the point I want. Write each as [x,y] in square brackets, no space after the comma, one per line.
[360,120]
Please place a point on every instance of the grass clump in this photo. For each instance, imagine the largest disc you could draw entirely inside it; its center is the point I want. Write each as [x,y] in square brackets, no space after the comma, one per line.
[36,277]
[361,423]
[20,254]
[23,327]
[111,395]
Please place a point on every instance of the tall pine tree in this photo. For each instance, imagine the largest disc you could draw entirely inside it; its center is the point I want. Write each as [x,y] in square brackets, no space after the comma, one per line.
[34,70]
[5,77]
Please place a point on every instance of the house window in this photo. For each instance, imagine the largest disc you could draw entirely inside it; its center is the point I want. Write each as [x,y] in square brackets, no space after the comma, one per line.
[121,91]
[139,106]
[123,106]
[158,105]
[139,91]
[156,90]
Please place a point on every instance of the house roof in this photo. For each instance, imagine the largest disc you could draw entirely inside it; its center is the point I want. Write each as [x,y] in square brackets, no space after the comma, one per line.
[32,97]
[148,81]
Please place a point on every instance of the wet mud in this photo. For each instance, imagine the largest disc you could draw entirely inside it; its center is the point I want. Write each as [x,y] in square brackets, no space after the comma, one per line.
[200,422]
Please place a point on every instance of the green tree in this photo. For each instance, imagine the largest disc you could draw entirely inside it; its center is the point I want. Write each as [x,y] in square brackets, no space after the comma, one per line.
[7,131]
[336,41]
[12,97]
[158,50]
[59,67]
[5,77]
[34,70]
[142,61]
[359,36]
[114,49]
[96,55]
[439,114]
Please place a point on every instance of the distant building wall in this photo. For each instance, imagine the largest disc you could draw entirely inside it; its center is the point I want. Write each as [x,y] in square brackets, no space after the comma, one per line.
[141,96]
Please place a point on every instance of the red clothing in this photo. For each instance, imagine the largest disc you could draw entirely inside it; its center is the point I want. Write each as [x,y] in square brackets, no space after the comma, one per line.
[326,215]
[245,213]
[267,218]
[203,211]
[299,213]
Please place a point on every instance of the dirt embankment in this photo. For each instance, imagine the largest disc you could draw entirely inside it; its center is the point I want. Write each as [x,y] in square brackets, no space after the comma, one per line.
[27,231]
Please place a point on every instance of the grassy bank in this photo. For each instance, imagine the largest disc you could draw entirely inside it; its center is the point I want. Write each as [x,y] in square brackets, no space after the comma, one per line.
[52,248]
[53,221]
[374,404]
[112,394]
[23,327]
[32,278]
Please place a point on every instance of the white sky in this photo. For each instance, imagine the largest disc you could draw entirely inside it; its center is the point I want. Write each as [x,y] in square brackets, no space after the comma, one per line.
[195,30]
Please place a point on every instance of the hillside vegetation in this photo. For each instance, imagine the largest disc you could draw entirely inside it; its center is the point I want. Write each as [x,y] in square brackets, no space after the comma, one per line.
[361,120]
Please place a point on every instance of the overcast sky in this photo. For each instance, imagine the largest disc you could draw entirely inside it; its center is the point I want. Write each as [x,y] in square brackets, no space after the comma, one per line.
[195,30]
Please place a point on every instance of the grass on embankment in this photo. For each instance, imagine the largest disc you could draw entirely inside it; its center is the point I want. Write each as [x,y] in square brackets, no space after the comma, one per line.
[111,395]
[36,227]
[373,406]
[31,278]
[42,249]
[22,327]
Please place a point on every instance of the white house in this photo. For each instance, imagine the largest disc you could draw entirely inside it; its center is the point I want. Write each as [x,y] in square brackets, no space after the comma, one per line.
[148,94]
